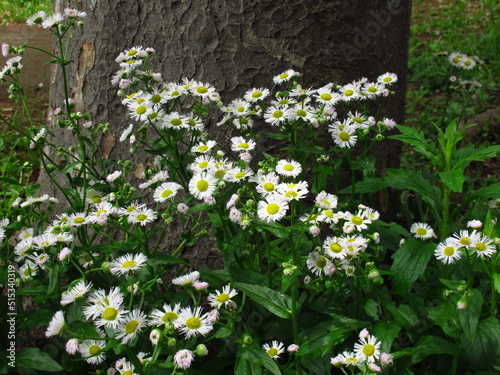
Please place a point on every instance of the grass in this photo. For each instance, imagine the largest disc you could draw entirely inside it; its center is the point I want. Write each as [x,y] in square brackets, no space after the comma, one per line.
[21,10]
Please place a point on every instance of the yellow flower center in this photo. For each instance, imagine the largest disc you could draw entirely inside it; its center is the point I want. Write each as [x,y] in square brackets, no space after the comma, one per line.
[321,262]
[155,98]
[480,246]
[193,323]
[369,350]
[220,173]
[96,199]
[256,94]
[243,145]
[201,90]
[131,327]
[141,110]
[344,136]
[223,297]
[465,241]
[348,92]
[273,352]
[94,349]
[202,185]
[268,186]
[328,213]
[301,113]
[142,217]
[169,316]
[387,79]
[356,220]
[132,52]
[110,314]
[277,114]
[283,76]
[336,248]
[176,122]
[288,167]
[372,89]
[240,175]
[79,220]
[203,148]
[272,208]
[166,193]
[421,231]
[326,96]
[129,264]
[448,251]
[240,109]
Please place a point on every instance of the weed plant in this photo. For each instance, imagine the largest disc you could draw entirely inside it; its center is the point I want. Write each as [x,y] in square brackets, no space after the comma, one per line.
[313,280]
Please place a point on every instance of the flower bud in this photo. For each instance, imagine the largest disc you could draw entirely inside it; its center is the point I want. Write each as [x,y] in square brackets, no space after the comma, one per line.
[201,350]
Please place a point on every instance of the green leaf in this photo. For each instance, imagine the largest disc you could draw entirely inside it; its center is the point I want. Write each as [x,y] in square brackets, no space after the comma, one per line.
[371,308]
[417,139]
[35,359]
[427,345]
[469,317]
[53,278]
[410,261]
[496,281]
[387,332]
[162,258]
[403,179]
[454,180]
[40,319]
[404,315]
[491,191]
[266,361]
[483,349]
[277,303]
[446,316]
[367,185]
[276,229]
[464,156]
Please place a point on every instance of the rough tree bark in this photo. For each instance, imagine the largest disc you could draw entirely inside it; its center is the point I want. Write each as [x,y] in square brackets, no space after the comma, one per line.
[235,45]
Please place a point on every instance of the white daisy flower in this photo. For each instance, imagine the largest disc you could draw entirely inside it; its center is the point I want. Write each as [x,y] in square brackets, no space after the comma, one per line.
[92,351]
[78,219]
[289,168]
[274,349]
[448,251]
[349,92]
[141,216]
[387,78]
[93,196]
[203,147]
[132,324]
[266,183]
[285,76]
[192,322]
[345,138]
[335,247]
[359,220]
[483,246]
[76,291]
[44,241]
[273,208]
[174,121]
[220,299]
[372,89]
[239,144]
[202,163]
[253,95]
[128,263]
[183,358]
[106,309]
[238,175]
[28,270]
[25,233]
[276,115]
[294,191]
[56,325]
[168,314]
[202,185]
[318,264]
[188,279]
[166,191]
[326,201]
[368,348]
[422,231]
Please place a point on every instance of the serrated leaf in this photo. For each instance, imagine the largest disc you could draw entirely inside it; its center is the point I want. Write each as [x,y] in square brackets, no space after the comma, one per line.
[404,315]
[454,180]
[469,317]
[387,332]
[446,317]
[483,348]
[367,185]
[371,308]
[426,346]
[410,261]
[464,156]
[416,139]
[35,359]
[277,303]
[496,281]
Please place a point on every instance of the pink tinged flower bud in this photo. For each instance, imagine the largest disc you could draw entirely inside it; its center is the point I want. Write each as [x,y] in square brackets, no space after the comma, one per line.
[182,208]
[57,111]
[374,367]
[213,316]
[293,348]
[183,358]
[453,79]
[372,120]
[246,157]
[5,49]
[72,346]
[200,285]
[124,83]
[210,200]
[16,202]
[385,92]
[314,231]
[330,269]
[474,224]
[385,359]
[155,336]
[32,145]
[87,124]
[65,253]
[364,334]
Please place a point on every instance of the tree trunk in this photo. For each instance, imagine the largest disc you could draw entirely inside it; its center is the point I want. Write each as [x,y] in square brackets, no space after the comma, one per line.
[234,45]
